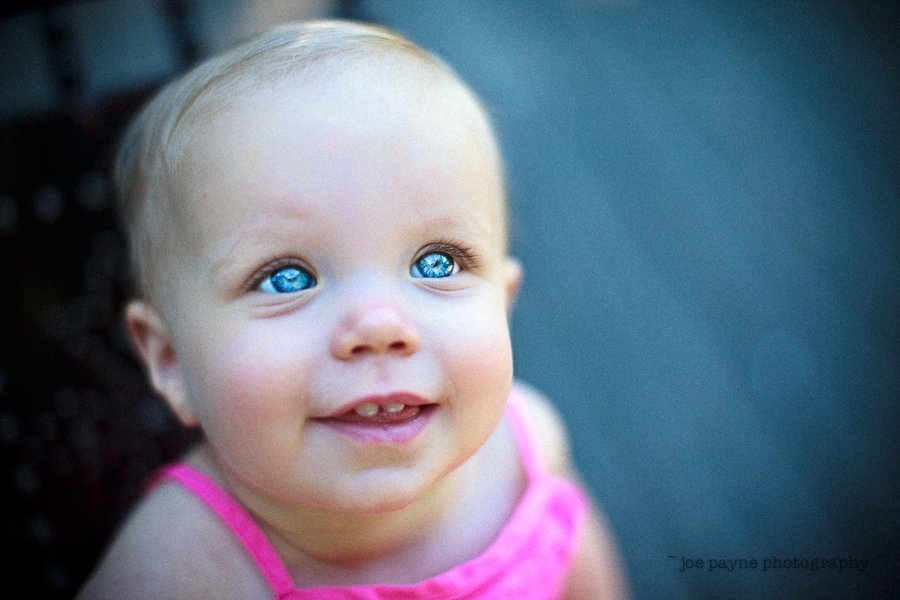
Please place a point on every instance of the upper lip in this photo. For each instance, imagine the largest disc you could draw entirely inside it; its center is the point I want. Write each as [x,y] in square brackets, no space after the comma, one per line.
[407,398]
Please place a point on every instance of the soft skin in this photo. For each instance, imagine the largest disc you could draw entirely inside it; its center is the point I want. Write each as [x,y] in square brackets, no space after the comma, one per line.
[353,178]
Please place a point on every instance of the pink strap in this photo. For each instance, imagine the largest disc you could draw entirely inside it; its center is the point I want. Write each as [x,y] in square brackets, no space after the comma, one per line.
[233,514]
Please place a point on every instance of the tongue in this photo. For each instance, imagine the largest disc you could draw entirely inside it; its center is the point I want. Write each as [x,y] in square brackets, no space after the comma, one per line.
[381,418]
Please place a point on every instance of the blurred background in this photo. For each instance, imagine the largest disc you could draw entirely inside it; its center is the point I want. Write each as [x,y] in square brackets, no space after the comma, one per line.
[706,199]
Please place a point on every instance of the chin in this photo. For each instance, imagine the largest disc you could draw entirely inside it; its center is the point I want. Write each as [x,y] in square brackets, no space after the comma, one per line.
[382,507]
[374,503]
[388,494]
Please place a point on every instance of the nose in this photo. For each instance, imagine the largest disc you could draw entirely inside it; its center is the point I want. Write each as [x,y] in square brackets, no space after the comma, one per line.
[377,329]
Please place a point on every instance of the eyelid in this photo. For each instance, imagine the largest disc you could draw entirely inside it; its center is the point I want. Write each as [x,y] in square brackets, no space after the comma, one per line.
[274,265]
[463,254]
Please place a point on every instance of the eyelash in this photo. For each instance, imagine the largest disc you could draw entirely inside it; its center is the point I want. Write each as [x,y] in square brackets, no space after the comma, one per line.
[273,267]
[463,254]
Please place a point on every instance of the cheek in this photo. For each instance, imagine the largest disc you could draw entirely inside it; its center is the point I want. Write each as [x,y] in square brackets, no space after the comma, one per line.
[478,363]
[481,352]
[245,386]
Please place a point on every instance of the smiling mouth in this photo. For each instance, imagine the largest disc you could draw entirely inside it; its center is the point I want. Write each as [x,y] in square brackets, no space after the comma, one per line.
[387,408]
[380,414]
[392,419]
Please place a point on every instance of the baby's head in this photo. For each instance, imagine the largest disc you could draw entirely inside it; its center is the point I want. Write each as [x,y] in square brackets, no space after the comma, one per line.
[318,229]
[149,165]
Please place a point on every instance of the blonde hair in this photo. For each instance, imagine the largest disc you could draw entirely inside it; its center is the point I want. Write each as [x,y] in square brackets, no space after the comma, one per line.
[151,149]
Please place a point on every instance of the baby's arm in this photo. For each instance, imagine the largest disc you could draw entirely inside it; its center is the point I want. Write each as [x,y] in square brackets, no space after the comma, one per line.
[597,572]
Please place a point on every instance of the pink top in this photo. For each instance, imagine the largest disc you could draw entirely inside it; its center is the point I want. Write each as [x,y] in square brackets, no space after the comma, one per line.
[529,559]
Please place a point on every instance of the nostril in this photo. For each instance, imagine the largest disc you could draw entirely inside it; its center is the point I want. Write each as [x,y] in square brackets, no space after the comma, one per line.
[397,346]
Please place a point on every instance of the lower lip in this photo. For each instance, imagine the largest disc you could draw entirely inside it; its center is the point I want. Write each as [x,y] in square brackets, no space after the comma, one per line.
[383,434]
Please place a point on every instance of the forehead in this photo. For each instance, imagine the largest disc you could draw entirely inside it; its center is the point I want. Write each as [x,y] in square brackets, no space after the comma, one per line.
[388,98]
[392,131]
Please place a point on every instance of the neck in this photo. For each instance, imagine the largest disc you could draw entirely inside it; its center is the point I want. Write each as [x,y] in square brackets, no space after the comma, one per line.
[352,540]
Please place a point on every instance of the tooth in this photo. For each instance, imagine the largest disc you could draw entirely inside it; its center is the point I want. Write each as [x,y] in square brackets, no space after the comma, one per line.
[394,408]
[369,409]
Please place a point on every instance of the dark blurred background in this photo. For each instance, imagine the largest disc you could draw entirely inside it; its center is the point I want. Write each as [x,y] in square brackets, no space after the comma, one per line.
[706,198]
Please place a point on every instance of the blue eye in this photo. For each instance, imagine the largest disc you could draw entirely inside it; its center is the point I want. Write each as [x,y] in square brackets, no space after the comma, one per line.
[434,265]
[287,280]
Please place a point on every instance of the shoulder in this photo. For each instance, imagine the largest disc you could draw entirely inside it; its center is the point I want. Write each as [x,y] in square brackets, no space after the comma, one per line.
[547,424]
[164,548]
[597,570]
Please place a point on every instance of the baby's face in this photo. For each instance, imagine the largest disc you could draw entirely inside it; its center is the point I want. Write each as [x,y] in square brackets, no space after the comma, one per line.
[339,304]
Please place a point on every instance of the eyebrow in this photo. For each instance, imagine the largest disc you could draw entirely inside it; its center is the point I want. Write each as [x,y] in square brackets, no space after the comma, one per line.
[250,233]
[471,228]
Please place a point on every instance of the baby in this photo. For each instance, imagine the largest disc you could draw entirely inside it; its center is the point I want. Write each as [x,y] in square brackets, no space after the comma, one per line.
[318,230]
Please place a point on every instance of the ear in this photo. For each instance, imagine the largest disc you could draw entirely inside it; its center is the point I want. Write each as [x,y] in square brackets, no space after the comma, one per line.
[512,281]
[154,345]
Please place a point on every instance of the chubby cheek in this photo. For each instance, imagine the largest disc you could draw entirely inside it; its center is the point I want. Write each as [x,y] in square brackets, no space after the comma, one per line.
[248,389]
[479,354]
